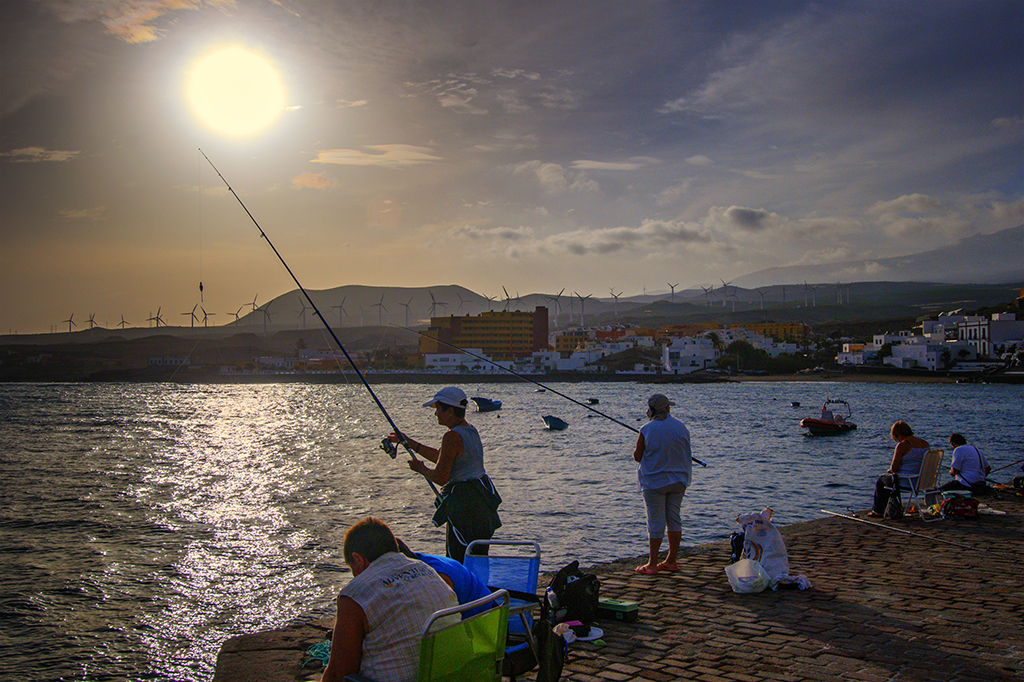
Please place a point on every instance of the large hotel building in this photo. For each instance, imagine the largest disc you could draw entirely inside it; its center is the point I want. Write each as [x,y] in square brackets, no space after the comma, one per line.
[500,334]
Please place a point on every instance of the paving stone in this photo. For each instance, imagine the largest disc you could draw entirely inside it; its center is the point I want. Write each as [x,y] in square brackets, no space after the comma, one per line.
[851,626]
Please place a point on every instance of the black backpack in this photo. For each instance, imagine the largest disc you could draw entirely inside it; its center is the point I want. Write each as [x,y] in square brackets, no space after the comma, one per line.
[576,595]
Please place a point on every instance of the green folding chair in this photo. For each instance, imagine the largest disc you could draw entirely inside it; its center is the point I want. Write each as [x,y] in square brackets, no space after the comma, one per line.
[469,650]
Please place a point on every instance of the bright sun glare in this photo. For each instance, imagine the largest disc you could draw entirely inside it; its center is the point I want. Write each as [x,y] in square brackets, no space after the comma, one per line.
[235,92]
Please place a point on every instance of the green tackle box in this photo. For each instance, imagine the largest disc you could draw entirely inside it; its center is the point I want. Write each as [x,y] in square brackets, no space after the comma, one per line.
[614,609]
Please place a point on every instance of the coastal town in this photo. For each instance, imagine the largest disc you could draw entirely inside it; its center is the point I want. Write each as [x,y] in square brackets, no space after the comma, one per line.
[494,343]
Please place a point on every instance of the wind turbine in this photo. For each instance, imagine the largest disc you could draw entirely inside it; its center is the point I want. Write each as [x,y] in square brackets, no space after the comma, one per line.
[266,316]
[156,318]
[380,311]
[70,321]
[205,315]
[725,290]
[508,299]
[462,301]
[672,296]
[582,304]
[434,303]
[341,309]
[707,292]
[406,306]
[92,321]
[616,297]
[814,291]
[236,314]
[302,314]
[761,294]
[253,304]
[839,293]
[192,314]
[123,323]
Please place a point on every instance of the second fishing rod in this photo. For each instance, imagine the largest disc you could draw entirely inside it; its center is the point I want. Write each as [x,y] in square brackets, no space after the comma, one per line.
[526,378]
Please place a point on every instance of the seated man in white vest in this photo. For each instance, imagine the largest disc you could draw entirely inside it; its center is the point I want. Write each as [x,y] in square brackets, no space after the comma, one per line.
[382,610]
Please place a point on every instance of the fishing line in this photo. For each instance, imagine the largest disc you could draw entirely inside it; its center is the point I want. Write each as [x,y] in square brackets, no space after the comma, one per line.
[532,381]
[898,530]
[401,438]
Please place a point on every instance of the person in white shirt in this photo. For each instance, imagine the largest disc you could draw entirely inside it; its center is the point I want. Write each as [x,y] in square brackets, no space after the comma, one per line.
[969,468]
[381,612]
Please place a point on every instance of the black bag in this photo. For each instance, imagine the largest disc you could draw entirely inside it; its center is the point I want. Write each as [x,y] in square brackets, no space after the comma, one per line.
[576,595]
[894,506]
[736,542]
[551,646]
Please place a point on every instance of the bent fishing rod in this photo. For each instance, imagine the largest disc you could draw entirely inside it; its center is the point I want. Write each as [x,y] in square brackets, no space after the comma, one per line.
[401,437]
[526,378]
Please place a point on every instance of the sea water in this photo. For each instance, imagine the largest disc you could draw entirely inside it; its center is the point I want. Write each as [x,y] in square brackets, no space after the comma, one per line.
[141,525]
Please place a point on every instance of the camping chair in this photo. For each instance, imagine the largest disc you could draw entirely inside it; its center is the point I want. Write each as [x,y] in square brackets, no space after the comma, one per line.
[470,649]
[924,486]
[511,565]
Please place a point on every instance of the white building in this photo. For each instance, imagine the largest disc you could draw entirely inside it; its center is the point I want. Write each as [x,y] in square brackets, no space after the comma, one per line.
[462,362]
[987,335]
[688,354]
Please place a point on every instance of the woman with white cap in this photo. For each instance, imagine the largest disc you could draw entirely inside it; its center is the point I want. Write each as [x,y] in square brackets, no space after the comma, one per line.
[663,470]
[468,502]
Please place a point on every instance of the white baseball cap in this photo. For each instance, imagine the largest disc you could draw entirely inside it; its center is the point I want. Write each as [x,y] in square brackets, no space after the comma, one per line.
[449,395]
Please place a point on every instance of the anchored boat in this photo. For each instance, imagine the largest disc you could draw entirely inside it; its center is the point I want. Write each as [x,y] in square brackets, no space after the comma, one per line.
[554,423]
[831,422]
[486,404]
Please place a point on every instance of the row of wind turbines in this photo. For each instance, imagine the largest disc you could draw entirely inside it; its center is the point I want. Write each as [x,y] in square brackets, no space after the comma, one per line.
[198,315]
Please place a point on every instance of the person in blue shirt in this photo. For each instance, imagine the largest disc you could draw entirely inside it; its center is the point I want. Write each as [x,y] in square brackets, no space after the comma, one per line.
[464,583]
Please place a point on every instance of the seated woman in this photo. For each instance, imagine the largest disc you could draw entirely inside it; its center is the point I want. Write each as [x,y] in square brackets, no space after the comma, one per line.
[906,462]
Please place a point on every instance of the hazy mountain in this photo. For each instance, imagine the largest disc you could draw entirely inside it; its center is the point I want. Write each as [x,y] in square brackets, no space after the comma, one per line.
[984,259]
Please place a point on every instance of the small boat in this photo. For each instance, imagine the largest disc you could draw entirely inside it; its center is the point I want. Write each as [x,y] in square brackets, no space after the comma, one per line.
[593,401]
[795,403]
[486,404]
[554,423]
[830,422]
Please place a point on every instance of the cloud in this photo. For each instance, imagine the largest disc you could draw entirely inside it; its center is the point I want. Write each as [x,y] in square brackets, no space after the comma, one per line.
[347,104]
[651,235]
[493,234]
[385,155]
[634,163]
[38,154]
[128,21]
[672,195]
[309,180]
[699,160]
[742,220]
[557,179]
[94,214]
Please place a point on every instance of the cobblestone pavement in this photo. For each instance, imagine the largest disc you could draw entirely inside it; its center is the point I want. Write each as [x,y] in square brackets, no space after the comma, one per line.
[884,605]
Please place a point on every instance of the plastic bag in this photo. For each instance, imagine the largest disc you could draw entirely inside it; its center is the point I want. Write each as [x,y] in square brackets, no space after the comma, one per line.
[747,577]
[763,543]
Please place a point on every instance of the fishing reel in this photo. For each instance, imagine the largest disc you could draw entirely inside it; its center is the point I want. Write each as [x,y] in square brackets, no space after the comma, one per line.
[389,447]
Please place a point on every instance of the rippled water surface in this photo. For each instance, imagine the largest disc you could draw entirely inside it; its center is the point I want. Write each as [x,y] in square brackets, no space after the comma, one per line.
[142,525]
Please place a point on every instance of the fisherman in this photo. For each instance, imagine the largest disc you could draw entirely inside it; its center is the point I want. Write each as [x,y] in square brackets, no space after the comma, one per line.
[468,501]
[969,468]
[663,471]
[382,610]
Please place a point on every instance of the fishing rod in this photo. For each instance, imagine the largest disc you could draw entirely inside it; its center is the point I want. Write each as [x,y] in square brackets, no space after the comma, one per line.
[1007,466]
[898,530]
[526,378]
[401,437]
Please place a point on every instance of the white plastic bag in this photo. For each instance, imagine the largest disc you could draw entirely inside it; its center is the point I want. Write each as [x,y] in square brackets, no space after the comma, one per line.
[747,577]
[763,543]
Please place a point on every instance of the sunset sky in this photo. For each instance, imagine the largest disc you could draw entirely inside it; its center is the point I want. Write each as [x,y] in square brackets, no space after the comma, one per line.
[521,143]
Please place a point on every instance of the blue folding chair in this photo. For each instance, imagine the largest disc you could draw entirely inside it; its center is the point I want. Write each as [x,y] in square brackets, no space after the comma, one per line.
[512,565]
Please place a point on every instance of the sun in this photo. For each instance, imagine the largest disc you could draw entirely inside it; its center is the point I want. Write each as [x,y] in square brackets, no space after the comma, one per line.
[235,92]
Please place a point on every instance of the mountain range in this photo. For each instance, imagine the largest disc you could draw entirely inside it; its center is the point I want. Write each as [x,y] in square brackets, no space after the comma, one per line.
[981,259]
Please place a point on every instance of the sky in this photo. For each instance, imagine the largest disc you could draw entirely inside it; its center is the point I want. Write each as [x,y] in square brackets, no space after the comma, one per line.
[528,144]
